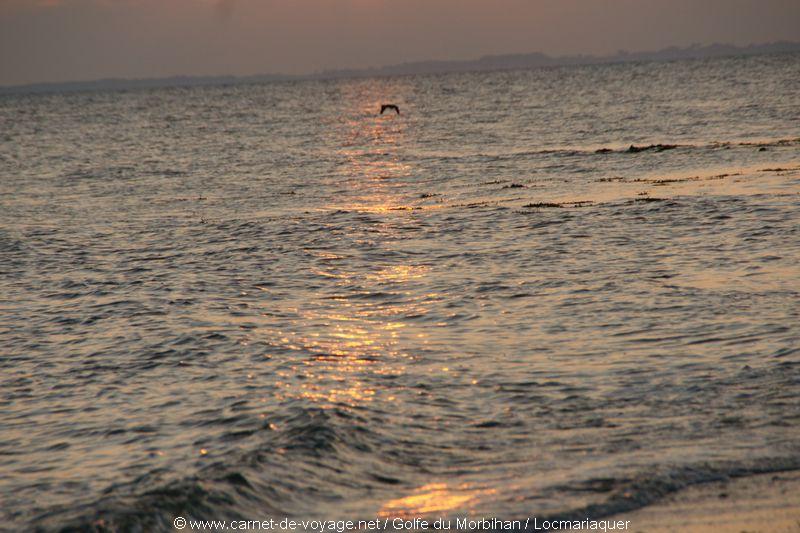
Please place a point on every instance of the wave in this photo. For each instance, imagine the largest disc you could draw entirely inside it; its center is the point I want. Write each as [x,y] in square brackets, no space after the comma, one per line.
[314,459]
[234,495]
[626,495]
[307,459]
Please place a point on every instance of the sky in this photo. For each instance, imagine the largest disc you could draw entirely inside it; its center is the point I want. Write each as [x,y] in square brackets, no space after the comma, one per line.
[66,40]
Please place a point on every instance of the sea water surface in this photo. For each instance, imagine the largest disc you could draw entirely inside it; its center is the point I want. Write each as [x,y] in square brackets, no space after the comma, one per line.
[268,301]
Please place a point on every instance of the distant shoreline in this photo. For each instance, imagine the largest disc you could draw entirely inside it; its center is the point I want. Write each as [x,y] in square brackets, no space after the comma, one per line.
[484,64]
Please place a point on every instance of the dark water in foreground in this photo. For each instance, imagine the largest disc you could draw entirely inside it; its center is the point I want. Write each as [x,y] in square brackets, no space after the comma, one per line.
[268,301]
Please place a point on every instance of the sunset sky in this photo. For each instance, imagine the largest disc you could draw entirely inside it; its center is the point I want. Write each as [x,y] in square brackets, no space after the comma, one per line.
[60,40]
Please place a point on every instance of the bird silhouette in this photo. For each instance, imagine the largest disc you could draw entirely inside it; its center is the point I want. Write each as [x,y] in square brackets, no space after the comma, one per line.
[384,107]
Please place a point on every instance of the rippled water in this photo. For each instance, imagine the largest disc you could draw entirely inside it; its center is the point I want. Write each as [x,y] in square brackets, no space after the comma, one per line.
[266,301]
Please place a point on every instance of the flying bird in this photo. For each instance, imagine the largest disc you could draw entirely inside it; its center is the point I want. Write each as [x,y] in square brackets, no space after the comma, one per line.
[384,107]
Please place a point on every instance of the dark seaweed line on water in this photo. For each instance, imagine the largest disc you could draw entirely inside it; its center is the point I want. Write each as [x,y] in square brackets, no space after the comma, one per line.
[662,147]
[581,203]
[631,149]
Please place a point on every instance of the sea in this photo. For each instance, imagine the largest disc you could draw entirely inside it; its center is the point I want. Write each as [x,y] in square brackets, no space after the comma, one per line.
[558,293]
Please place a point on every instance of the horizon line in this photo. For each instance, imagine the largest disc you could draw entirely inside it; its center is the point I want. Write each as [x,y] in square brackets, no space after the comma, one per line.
[490,62]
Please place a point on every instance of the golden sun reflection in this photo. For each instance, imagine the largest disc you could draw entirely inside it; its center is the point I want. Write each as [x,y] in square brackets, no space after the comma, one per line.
[350,350]
[430,499]
[371,149]
[327,381]
[399,273]
[348,341]
[376,185]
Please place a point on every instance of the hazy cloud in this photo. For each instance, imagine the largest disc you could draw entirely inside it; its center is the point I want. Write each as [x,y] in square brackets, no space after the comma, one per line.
[225,8]
[82,39]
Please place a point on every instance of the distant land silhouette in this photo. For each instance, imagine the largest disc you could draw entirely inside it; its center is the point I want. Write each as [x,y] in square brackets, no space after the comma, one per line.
[486,63]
